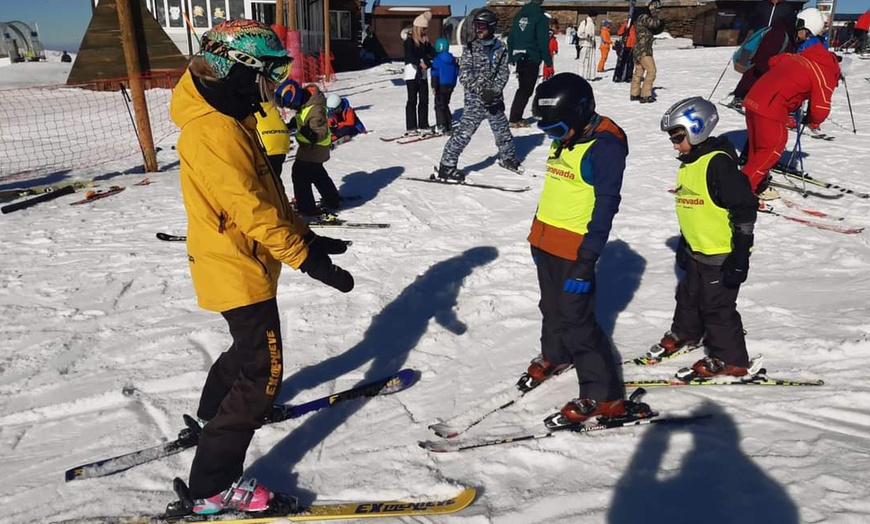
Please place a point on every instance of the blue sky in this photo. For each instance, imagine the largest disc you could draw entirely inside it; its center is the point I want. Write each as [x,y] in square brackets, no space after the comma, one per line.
[62,23]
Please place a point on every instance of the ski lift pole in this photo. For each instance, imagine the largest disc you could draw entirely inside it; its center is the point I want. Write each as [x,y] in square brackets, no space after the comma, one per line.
[720,79]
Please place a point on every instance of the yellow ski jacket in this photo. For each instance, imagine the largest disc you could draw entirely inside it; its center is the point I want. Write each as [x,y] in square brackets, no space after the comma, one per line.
[240,226]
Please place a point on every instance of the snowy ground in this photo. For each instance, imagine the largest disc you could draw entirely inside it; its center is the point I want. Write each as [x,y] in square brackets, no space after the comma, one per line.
[91,302]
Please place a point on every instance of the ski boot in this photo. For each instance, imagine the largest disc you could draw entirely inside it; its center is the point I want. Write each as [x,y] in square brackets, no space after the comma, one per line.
[540,369]
[244,495]
[709,368]
[511,164]
[614,412]
[668,347]
[450,174]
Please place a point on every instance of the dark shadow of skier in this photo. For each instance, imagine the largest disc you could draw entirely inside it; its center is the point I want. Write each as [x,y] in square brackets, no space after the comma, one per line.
[618,275]
[393,333]
[367,185]
[716,483]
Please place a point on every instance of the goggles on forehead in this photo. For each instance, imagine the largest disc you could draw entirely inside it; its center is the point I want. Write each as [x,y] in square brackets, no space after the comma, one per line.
[480,27]
[556,131]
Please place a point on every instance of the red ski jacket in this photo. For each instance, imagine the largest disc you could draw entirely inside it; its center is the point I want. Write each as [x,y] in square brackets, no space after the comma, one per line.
[863,22]
[811,74]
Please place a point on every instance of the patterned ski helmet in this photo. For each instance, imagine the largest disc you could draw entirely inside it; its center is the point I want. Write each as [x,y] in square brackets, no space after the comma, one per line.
[441,45]
[246,42]
[696,115]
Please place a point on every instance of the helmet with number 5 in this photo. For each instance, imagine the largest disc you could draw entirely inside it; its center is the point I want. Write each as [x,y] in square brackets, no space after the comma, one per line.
[696,115]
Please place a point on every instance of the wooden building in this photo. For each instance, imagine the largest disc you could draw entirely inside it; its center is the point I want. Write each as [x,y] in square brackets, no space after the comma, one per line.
[101,55]
[707,23]
[388,22]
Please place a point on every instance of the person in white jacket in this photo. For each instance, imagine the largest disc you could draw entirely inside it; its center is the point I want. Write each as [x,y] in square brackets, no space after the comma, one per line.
[586,41]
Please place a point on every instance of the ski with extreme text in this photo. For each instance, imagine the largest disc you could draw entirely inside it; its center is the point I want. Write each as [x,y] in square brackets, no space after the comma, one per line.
[189,436]
[765,207]
[332,220]
[284,508]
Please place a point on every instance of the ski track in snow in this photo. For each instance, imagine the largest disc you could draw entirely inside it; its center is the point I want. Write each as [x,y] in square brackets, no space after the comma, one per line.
[92,304]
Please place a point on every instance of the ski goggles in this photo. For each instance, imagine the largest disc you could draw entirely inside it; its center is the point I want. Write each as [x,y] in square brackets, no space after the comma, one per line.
[480,27]
[277,69]
[556,131]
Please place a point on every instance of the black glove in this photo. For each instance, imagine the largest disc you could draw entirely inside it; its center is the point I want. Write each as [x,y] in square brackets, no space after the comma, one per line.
[308,133]
[331,246]
[488,96]
[682,253]
[319,267]
[736,266]
[581,276]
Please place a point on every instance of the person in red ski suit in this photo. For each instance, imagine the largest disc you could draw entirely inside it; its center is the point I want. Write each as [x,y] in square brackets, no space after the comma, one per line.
[550,70]
[810,74]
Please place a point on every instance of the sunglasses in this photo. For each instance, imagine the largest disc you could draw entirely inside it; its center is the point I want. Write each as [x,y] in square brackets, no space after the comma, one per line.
[678,138]
[556,131]
[480,27]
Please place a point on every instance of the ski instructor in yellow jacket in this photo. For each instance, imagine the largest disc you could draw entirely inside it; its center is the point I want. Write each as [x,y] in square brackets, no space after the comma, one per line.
[240,230]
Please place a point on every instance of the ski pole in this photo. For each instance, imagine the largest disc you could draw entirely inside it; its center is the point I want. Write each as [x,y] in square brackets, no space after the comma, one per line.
[849,102]
[129,112]
[720,79]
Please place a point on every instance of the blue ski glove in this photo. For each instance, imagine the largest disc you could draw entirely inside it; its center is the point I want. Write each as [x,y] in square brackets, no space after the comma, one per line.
[581,276]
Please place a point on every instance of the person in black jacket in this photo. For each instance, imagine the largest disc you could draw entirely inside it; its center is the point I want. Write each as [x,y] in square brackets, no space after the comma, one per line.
[418,60]
[528,45]
[778,39]
[716,210]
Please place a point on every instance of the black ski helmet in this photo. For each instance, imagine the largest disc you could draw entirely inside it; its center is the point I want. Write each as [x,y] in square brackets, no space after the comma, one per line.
[565,99]
[485,16]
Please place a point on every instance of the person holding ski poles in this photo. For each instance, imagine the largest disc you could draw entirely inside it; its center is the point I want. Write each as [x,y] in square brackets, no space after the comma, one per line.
[811,74]
[575,212]
[483,72]
[241,228]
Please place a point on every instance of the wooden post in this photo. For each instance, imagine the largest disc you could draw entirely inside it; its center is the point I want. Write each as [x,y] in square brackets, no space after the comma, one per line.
[291,15]
[134,74]
[327,48]
[279,13]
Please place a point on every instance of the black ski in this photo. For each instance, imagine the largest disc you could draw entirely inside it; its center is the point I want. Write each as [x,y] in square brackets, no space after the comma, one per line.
[435,180]
[44,197]
[189,436]
[171,238]
[805,177]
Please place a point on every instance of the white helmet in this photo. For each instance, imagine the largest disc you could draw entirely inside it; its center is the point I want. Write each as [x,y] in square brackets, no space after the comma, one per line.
[696,115]
[812,20]
[333,101]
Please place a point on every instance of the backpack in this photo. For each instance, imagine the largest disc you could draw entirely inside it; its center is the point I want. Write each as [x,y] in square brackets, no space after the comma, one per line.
[743,58]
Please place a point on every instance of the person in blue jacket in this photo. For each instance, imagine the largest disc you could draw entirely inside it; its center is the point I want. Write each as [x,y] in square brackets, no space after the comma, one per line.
[444,73]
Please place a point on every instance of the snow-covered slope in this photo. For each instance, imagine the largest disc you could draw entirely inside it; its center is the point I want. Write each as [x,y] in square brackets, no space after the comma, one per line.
[92,303]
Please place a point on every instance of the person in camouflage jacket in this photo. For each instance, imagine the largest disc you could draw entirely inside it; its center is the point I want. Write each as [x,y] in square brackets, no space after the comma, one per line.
[648,25]
[483,73]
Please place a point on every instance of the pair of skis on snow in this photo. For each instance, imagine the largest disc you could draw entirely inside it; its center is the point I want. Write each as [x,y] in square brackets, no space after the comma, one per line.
[284,506]
[460,424]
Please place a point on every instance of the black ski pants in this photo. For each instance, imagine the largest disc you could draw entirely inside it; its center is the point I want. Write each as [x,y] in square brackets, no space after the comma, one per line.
[305,174]
[277,163]
[570,332]
[443,116]
[527,76]
[241,386]
[707,309]
[417,106]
